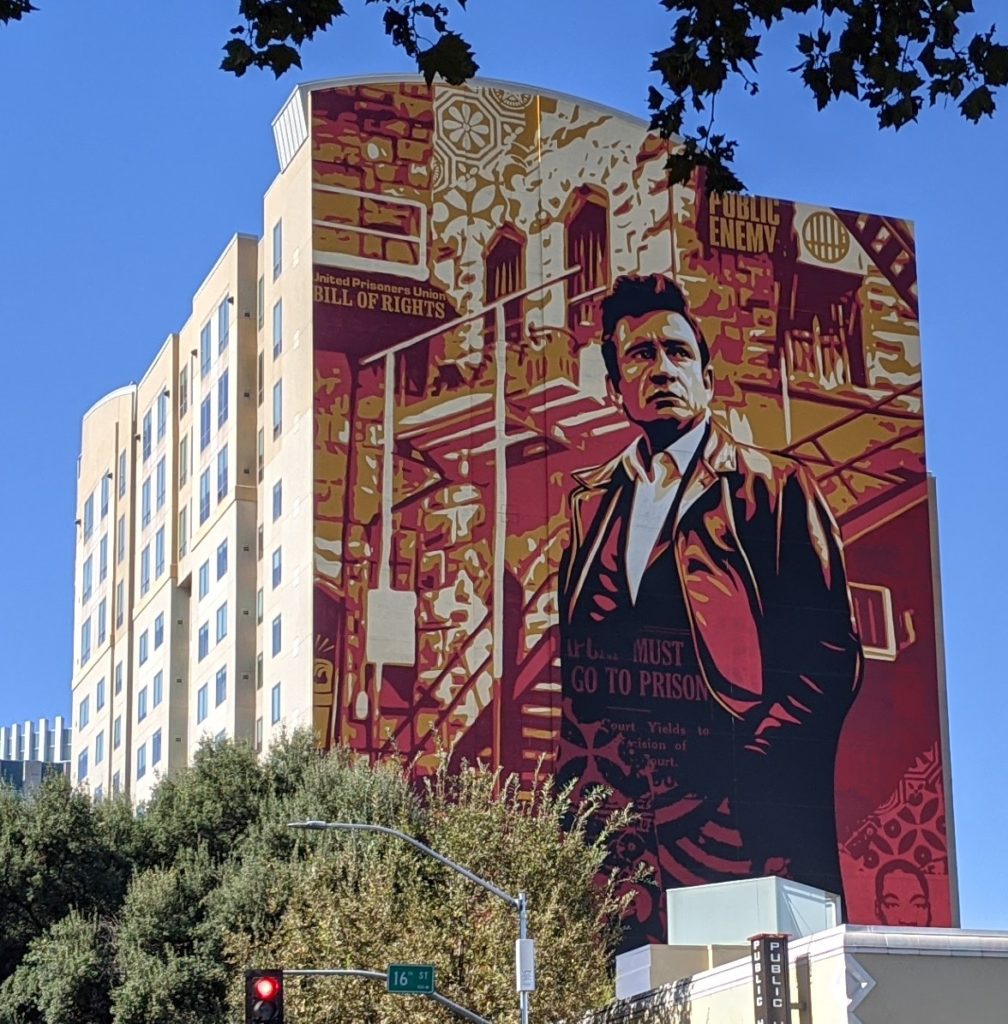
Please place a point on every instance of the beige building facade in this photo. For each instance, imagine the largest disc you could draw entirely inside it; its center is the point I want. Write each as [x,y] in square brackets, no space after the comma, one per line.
[182,625]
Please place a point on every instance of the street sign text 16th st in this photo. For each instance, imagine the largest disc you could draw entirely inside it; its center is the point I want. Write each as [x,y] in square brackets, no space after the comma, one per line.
[410,979]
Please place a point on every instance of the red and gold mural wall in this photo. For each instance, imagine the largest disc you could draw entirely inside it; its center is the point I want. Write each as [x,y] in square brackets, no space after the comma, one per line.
[735,629]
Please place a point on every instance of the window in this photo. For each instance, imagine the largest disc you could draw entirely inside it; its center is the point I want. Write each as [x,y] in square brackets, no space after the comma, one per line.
[222,326]
[183,391]
[275,704]
[260,377]
[117,732]
[160,485]
[147,435]
[145,508]
[222,399]
[82,765]
[261,300]
[277,327]
[89,517]
[222,558]
[201,704]
[115,784]
[183,530]
[143,648]
[259,542]
[121,540]
[503,275]
[103,558]
[122,473]
[259,606]
[258,735]
[99,747]
[157,688]
[259,671]
[260,454]
[222,473]
[85,641]
[277,408]
[86,580]
[204,496]
[102,621]
[142,704]
[276,636]
[222,622]
[204,424]
[106,482]
[277,570]
[83,713]
[277,500]
[203,641]
[204,347]
[141,760]
[145,570]
[100,695]
[183,459]
[204,579]
[120,603]
[159,563]
[159,630]
[162,414]
[118,678]
[155,748]
[220,687]
[277,249]
[586,246]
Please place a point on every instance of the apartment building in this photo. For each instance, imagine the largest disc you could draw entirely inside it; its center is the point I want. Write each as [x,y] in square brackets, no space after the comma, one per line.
[30,750]
[180,579]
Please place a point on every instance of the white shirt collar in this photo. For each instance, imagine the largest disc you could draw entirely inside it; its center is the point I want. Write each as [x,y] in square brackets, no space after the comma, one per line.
[682,450]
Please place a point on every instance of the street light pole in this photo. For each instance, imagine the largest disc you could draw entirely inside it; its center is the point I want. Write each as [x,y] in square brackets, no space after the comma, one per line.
[524,946]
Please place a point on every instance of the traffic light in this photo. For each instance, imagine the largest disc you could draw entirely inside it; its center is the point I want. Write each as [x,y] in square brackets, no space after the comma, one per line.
[264,997]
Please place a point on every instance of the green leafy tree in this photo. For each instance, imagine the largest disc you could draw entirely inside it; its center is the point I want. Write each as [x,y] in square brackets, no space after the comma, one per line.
[65,976]
[59,853]
[364,901]
[168,951]
[129,915]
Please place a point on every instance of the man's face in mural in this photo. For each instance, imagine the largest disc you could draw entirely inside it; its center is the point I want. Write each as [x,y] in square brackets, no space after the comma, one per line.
[903,900]
[664,382]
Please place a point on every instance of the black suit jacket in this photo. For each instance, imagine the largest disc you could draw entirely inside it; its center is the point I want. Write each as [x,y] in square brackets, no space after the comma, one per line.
[760,562]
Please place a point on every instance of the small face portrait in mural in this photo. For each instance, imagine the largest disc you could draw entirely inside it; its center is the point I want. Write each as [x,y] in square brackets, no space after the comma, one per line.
[705,620]
[901,895]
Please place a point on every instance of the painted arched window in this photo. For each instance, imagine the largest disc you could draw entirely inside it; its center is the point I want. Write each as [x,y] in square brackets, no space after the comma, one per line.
[586,247]
[504,273]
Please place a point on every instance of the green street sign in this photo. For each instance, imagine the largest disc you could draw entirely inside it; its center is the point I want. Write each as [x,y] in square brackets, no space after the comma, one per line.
[410,979]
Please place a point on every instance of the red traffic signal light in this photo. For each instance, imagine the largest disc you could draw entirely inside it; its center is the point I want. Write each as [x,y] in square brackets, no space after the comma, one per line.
[266,987]
[264,997]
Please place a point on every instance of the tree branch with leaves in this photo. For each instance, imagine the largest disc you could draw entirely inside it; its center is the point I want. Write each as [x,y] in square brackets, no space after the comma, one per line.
[895,56]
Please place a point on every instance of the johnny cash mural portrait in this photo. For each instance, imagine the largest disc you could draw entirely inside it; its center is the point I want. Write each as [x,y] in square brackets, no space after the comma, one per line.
[620,484]
[708,648]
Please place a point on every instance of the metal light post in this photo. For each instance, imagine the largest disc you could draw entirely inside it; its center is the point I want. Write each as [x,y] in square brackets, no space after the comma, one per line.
[524,946]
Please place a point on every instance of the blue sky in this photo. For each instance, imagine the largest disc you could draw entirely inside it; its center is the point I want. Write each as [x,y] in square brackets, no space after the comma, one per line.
[129,160]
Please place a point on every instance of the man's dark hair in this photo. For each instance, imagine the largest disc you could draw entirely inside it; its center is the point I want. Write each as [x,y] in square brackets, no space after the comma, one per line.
[637,295]
[905,867]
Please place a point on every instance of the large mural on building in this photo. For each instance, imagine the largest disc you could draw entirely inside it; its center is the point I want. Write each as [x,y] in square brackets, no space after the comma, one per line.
[626,483]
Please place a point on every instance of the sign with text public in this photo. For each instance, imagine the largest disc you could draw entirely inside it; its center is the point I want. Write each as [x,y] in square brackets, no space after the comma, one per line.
[627,481]
[771,983]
